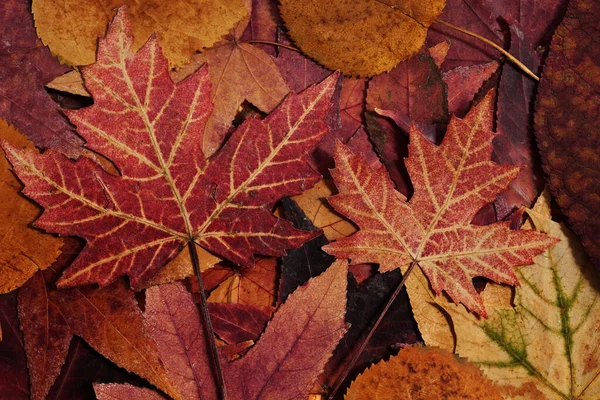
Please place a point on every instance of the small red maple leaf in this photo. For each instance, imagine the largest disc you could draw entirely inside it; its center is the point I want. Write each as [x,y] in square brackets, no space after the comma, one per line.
[452,182]
[168,193]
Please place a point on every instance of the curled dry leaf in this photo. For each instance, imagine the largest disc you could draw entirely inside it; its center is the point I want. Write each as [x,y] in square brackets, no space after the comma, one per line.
[452,182]
[168,194]
[541,340]
[419,373]
[360,38]
[284,363]
[567,120]
[23,250]
[71,28]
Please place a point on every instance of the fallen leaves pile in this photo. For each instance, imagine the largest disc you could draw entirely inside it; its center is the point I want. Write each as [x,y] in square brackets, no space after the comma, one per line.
[260,200]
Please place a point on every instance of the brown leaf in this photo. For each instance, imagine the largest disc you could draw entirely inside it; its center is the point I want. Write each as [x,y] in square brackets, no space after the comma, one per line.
[236,323]
[23,250]
[418,373]
[360,38]
[238,71]
[567,120]
[108,319]
[71,28]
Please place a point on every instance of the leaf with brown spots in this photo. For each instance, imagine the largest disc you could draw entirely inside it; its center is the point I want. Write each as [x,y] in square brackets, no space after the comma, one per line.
[23,249]
[168,193]
[360,38]
[567,120]
[422,374]
[541,339]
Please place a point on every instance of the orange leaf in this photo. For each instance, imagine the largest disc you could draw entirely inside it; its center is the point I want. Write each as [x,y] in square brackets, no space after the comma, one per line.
[23,249]
[452,182]
[419,373]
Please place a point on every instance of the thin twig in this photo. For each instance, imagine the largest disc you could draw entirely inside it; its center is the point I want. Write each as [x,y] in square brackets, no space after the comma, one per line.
[285,46]
[210,334]
[494,45]
[340,379]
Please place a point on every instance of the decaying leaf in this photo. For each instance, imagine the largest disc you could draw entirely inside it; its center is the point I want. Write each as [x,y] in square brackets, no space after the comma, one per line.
[419,373]
[23,250]
[168,194]
[283,364]
[541,339]
[71,28]
[108,319]
[25,66]
[452,182]
[567,120]
[238,71]
[360,38]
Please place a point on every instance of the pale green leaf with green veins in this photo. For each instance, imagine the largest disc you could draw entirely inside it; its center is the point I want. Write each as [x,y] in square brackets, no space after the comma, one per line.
[542,339]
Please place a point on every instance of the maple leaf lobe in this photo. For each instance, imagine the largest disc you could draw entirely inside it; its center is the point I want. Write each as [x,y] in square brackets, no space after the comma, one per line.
[168,193]
[452,182]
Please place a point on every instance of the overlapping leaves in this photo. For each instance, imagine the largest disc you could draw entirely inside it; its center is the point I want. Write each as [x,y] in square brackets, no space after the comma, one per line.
[452,182]
[168,194]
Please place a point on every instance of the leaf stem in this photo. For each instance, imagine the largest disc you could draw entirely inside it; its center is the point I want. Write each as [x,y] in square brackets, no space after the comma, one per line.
[340,379]
[218,370]
[285,46]
[509,56]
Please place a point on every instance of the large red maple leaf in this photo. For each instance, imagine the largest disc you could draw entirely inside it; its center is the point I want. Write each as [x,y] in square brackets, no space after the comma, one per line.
[168,193]
[452,182]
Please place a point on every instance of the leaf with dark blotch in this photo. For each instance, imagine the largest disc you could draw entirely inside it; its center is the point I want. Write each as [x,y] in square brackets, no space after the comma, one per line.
[452,182]
[168,193]
[25,67]
[284,363]
[236,323]
[108,319]
[299,265]
[567,121]
[14,378]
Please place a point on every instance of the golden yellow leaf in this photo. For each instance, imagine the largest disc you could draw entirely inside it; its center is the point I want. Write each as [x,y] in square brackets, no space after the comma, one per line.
[542,338]
[314,204]
[422,373]
[70,28]
[360,38]
[23,250]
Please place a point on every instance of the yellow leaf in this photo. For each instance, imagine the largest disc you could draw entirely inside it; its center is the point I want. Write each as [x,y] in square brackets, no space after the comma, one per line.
[541,340]
[71,27]
[419,373]
[23,250]
[360,38]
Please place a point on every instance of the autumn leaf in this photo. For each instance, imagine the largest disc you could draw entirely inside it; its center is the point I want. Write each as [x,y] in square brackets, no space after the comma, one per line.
[452,182]
[464,83]
[421,374]
[283,364]
[71,28]
[541,339]
[168,193]
[238,71]
[26,65]
[360,38]
[108,319]
[236,323]
[14,379]
[23,250]
[567,121]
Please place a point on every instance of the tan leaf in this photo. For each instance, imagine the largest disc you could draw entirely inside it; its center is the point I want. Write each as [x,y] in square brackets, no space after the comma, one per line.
[546,346]
[360,38]
[71,27]
[23,250]
[71,82]
[419,373]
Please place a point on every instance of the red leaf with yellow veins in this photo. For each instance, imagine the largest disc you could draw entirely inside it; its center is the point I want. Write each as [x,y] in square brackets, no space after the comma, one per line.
[452,182]
[168,193]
